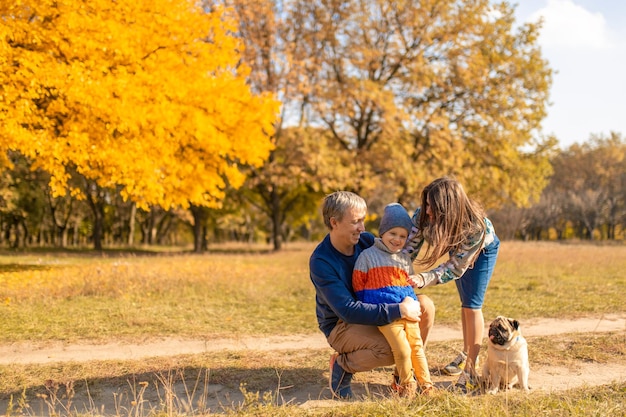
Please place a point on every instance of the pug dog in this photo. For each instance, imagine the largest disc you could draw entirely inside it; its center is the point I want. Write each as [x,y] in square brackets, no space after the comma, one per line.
[507,356]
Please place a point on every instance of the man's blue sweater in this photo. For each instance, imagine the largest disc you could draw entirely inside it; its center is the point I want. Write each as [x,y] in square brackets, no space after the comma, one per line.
[331,274]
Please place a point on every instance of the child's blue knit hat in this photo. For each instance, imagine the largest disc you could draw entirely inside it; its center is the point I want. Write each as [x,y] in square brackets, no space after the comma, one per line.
[394,216]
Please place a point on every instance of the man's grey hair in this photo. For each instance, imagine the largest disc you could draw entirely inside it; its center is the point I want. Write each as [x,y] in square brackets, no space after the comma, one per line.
[338,203]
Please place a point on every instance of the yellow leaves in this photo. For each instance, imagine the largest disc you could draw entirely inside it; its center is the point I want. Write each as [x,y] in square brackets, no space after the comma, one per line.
[147,95]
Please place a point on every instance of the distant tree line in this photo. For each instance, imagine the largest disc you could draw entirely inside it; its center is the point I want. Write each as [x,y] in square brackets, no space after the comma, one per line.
[585,199]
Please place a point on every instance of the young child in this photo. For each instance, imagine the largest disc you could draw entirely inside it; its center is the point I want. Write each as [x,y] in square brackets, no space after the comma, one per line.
[381,275]
[455,225]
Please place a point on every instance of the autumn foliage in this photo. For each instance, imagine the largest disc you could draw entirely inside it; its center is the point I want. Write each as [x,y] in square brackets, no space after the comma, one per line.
[149,97]
[143,108]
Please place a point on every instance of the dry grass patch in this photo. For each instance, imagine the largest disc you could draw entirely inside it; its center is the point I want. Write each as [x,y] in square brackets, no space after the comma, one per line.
[547,279]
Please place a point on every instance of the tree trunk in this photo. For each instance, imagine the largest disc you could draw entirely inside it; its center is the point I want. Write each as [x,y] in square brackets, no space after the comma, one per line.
[98,225]
[131,224]
[277,223]
[97,209]
[200,216]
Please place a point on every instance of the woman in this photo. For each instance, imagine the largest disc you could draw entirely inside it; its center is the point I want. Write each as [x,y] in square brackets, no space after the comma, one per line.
[453,224]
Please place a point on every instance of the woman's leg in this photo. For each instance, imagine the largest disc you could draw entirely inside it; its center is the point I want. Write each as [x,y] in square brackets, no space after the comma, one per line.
[472,287]
[474,324]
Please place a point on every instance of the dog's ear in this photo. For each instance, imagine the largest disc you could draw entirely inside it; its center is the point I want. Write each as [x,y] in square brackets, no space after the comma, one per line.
[514,323]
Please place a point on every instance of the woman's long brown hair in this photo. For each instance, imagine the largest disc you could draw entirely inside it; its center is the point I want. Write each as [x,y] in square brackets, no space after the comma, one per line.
[455,218]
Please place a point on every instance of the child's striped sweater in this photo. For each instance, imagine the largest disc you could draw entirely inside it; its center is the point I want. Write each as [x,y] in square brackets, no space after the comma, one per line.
[381,276]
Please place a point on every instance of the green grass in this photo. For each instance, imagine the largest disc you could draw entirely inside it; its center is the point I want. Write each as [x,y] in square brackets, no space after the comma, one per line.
[81,296]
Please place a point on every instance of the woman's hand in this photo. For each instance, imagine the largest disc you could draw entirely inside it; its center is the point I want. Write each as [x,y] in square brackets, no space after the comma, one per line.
[416,281]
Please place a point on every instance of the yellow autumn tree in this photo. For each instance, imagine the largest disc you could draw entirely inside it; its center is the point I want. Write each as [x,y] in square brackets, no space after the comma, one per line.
[146,97]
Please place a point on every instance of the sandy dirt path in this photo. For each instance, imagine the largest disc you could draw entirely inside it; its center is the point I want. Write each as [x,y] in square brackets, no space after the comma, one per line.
[24,353]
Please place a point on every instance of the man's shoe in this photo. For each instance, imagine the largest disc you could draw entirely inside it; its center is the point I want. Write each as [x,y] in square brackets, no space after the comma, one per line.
[339,380]
[467,384]
[456,366]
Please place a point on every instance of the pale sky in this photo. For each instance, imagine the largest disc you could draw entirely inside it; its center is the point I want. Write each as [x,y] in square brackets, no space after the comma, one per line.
[584,41]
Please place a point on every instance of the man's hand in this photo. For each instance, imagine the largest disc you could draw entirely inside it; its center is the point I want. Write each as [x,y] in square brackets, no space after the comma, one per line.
[410,309]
